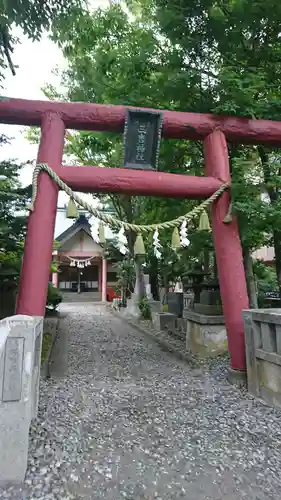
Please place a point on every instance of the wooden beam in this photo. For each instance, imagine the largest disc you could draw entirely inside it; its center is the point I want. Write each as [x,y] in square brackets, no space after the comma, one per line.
[137,182]
[182,125]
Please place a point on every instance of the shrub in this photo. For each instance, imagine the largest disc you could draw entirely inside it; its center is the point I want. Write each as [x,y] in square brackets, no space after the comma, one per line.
[54,297]
[266,282]
[145,309]
[46,344]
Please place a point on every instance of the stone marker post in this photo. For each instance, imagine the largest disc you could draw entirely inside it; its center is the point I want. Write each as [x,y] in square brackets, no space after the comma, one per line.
[20,360]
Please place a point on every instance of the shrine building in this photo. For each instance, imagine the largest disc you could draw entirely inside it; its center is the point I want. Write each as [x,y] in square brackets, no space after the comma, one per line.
[82,267]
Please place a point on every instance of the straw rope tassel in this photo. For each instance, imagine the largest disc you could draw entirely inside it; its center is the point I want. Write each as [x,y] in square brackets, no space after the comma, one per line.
[204,223]
[139,248]
[101,233]
[72,211]
[176,241]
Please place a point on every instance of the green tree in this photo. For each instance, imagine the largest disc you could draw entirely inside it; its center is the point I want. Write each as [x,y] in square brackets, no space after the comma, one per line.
[113,60]
[34,17]
[185,56]
[13,200]
[13,221]
[232,49]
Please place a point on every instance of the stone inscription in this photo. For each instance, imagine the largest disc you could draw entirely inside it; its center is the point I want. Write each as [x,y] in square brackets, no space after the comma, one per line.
[13,364]
[142,137]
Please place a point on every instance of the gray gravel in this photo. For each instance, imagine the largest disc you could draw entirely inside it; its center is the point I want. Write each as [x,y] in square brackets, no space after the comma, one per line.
[129,421]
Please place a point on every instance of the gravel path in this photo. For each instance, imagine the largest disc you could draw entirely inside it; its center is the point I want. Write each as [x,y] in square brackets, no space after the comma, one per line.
[129,421]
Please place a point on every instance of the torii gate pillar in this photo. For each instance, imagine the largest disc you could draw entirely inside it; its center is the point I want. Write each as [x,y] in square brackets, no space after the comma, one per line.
[228,252]
[39,239]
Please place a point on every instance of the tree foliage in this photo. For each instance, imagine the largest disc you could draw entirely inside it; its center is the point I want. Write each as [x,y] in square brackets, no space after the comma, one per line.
[233,49]
[113,60]
[201,56]
[13,200]
[33,17]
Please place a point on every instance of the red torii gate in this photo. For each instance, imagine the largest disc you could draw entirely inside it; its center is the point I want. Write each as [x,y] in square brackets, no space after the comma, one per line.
[54,117]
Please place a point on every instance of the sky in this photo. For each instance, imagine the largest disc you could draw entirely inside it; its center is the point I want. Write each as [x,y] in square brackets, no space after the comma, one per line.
[32,73]
[36,62]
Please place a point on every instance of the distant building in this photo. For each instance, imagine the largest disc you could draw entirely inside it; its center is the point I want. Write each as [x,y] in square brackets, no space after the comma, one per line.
[266,254]
[82,267]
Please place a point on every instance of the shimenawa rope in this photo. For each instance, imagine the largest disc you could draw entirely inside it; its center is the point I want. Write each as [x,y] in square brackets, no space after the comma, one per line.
[112,221]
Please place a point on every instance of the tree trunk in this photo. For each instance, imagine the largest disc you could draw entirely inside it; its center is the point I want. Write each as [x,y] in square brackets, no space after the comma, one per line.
[123,296]
[215,268]
[153,275]
[131,238]
[250,278]
[273,194]
[277,250]
[206,254]
[154,286]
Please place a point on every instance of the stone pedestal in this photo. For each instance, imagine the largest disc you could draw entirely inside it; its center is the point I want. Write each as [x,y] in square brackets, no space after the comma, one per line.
[175,303]
[148,292]
[188,299]
[210,297]
[147,286]
[20,362]
[210,303]
[263,354]
[237,377]
[133,305]
[155,307]
[164,321]
[208,309]
[205,335]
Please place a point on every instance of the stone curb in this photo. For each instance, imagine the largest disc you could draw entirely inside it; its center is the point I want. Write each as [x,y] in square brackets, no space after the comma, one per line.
[165,344]
[45,367]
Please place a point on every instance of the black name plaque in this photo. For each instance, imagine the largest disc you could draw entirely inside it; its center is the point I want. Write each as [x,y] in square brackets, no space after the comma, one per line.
[142,137]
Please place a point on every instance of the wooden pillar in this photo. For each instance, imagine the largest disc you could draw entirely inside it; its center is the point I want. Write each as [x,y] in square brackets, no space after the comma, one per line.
[100,275]
[55,276]
[40,232]
[228,252]
[55,280]
[104,280]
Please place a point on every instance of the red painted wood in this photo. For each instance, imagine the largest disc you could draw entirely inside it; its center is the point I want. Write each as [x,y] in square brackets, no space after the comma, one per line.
[138,183]
[104,280]
[100,276]
[40,233]
[86,116]
[228,252]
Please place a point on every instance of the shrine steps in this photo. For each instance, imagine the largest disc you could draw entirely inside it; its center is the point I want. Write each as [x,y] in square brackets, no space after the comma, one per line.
[81,297]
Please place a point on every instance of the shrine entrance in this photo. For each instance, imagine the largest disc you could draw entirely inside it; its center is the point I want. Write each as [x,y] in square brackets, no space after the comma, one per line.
[214,131]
